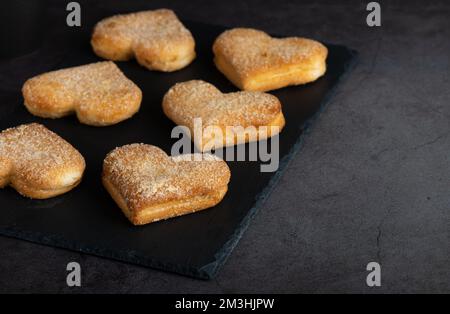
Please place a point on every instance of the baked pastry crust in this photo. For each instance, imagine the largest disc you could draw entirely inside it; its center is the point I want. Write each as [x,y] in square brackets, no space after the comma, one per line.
[240,110]
[37,162]
[254,61]
[99,93]
[149,186]
[157,39]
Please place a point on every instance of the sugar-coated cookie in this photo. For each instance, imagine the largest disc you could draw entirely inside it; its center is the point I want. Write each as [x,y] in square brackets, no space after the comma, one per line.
[37,162]
[99,93]
[240,112]
[157,39]
[149,185]
[252,60]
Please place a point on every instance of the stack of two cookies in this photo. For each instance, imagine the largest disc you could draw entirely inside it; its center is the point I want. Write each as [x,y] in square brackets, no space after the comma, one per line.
[147,184]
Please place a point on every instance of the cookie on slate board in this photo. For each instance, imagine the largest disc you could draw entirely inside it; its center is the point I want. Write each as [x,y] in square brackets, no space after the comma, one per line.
[98,93]
[157,39]
[252,60]
[148,185]
[227,119]
[37,162]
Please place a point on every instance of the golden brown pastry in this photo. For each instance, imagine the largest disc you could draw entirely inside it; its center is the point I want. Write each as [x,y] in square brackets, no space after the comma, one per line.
[37,162]
[252,60]
[99,93]
[149,186]
[240,112]
[157,39]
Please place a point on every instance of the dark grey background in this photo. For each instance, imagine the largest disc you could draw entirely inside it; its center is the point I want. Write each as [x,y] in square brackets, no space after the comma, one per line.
[371,183]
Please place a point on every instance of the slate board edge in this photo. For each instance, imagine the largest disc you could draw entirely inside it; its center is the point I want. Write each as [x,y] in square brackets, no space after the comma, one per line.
[211,270]
[121,256]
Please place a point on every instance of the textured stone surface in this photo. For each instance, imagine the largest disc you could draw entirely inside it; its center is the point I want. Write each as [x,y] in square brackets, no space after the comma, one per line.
[371,182]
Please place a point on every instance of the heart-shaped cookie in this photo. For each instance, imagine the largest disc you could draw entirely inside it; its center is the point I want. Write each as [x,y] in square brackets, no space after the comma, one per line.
[157,39]
[37,162]
[99,93]
[149,186]
[226,119]
[253,60]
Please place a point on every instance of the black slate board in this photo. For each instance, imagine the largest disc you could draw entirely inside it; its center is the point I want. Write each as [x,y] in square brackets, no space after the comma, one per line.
[87,220]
